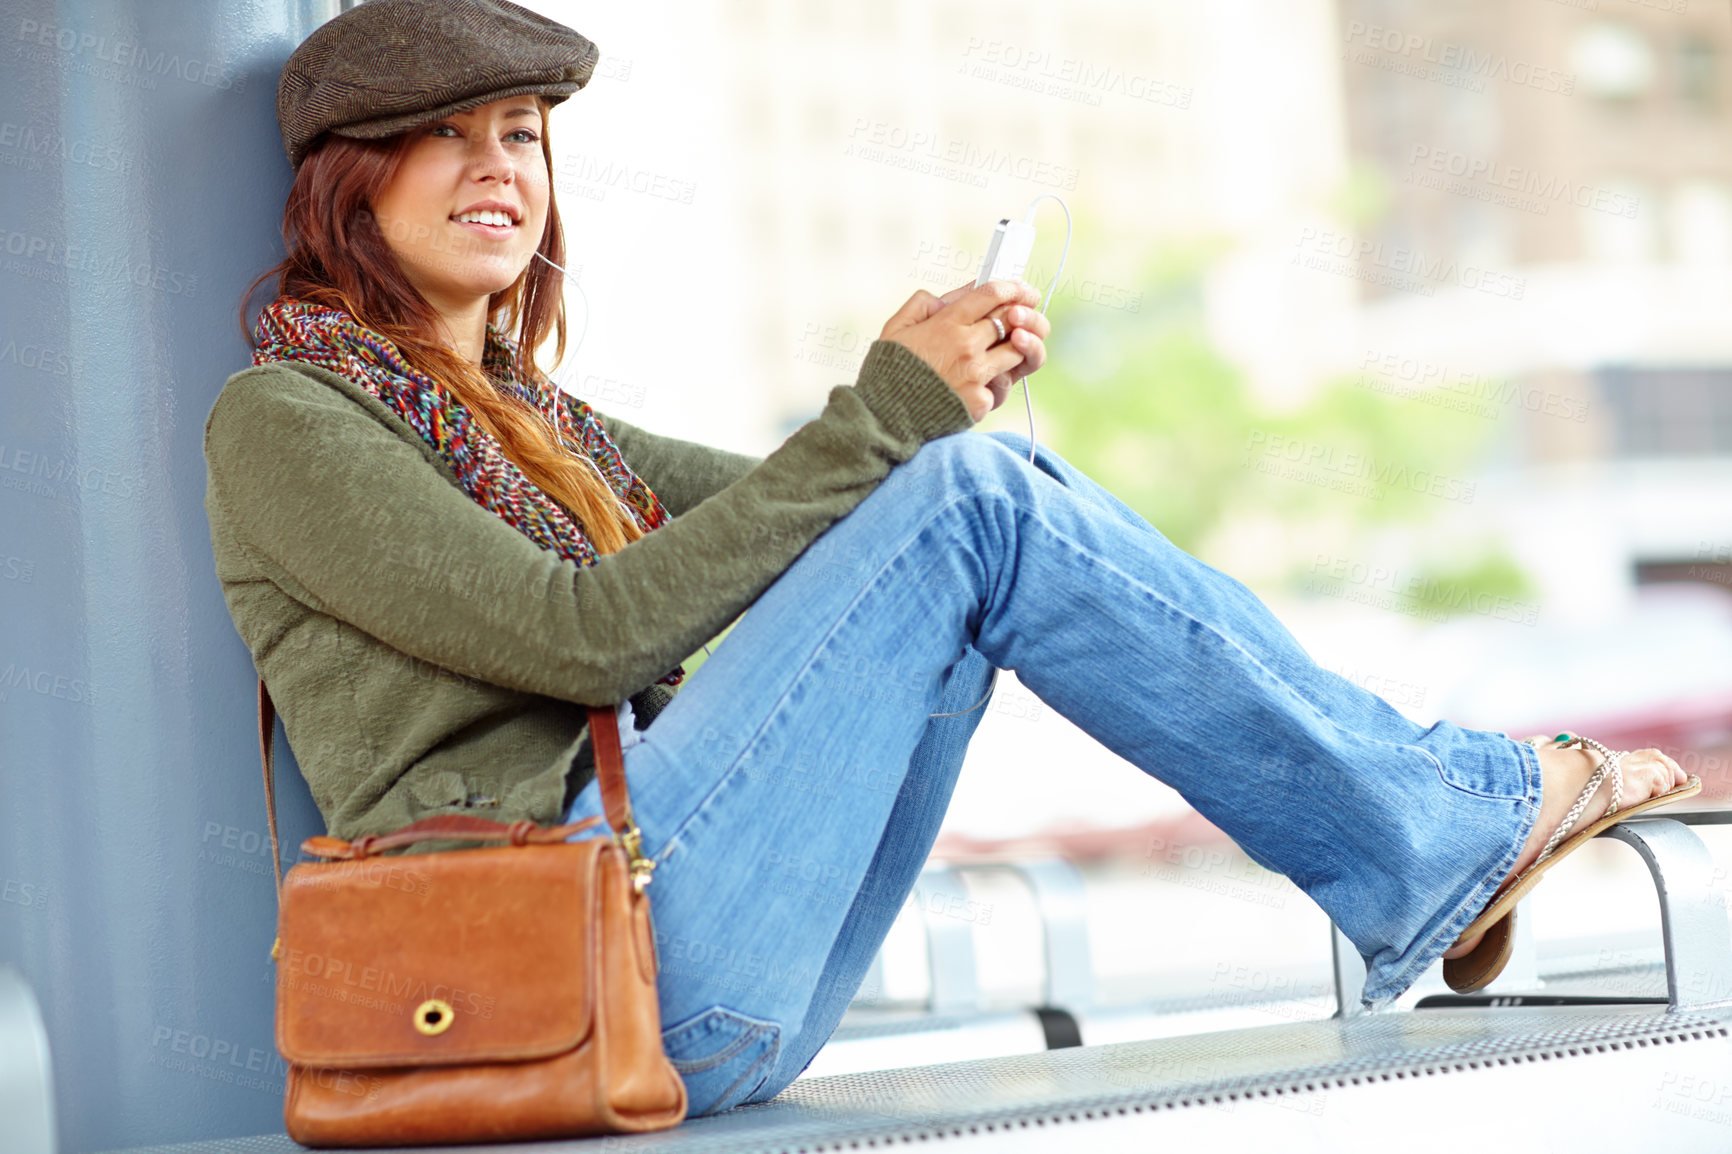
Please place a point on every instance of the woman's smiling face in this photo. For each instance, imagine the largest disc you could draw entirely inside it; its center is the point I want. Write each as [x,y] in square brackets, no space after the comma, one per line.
[468,204]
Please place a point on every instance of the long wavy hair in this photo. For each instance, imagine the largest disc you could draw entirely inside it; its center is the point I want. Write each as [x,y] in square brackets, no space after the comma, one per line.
[338,257]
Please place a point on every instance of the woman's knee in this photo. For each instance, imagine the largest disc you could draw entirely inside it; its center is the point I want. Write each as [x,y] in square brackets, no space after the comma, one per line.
[960,463]
[1015,442]
[1041,457]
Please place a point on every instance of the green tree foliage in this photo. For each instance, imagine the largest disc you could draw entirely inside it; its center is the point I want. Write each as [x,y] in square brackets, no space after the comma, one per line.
[1145,403]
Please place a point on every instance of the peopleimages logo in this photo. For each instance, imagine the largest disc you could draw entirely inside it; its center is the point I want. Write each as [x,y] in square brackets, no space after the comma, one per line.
[1412,594]
[1514,186]
[931,154]
[1343,254]
[1441,386]
[51,260]
[22,145]
[347,981]
[44,683]
[1066,77]
[55,469]
[1430,58]
[128,60]
[1348,471]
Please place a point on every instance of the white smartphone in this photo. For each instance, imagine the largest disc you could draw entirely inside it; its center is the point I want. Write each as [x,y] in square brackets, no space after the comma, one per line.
[1007,253]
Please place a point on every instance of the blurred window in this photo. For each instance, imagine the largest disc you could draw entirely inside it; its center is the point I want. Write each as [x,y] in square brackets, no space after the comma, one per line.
[1659,412]
[1614,61]
[1612,238]
[1684,569]
[1699,73]
[1702,223]
[1481,233]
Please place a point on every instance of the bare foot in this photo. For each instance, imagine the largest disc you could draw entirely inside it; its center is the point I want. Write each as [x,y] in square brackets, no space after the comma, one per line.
[1564,773]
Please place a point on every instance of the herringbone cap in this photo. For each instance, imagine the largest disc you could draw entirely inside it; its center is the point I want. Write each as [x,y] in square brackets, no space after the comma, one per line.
[389,65]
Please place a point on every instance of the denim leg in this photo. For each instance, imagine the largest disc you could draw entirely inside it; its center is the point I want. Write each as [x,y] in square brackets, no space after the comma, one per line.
[917,816]
[768,788]
[902,851]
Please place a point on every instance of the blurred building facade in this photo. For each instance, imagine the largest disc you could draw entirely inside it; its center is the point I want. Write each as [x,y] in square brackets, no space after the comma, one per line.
[1579,151]
[1555,246]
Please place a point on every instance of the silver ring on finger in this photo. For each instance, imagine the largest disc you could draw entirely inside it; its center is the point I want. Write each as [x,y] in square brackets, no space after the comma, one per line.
[999,325]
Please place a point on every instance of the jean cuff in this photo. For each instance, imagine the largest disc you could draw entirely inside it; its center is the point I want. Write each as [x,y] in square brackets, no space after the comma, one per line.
[1384,987]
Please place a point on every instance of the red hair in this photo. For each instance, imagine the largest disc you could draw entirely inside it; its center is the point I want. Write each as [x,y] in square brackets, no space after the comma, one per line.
[339,257]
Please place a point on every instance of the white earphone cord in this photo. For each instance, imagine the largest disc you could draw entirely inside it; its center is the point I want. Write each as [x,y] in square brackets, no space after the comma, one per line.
[582,456]
[1028,404]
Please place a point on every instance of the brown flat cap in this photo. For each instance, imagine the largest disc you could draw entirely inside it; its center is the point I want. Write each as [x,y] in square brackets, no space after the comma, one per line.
[390,65]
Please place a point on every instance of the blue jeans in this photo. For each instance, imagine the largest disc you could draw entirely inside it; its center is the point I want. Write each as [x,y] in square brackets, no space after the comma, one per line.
[791,792]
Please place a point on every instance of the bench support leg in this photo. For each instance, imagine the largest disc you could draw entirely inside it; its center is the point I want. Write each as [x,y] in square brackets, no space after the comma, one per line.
[1349,974]
[1693,924]
[949,941]
[1061,896]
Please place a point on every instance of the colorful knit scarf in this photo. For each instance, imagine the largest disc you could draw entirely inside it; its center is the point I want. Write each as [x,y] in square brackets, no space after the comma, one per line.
[292,330]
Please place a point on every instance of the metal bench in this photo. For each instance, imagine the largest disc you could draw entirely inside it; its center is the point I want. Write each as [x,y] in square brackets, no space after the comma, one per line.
[1302,1086]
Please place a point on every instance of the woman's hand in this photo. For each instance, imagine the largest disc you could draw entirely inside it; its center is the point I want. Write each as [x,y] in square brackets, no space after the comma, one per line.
[953,334]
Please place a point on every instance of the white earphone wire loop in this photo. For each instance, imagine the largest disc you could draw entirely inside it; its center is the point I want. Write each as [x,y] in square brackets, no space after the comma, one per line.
[1028,404]
[576,450]
[990,686]
[1028,218]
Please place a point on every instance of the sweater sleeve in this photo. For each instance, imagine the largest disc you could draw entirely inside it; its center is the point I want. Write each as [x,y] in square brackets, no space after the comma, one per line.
[355,519]
[681,473]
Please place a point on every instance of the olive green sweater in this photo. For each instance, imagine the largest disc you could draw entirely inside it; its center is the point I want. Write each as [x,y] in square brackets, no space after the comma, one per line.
[425,656]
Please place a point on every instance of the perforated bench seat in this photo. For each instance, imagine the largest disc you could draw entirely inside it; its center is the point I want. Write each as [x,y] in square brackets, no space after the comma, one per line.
[1617,1078]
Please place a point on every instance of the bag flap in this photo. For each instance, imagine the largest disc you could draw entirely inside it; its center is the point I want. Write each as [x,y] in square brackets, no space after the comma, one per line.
[439,959]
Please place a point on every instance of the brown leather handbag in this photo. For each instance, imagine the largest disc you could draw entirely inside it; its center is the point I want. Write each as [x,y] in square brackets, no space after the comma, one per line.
[489,994]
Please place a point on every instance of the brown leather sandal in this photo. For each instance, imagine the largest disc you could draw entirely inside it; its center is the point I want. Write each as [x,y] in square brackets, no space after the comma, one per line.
[1480,966]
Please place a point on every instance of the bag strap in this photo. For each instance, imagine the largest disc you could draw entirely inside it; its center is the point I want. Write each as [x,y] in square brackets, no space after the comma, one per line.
[445,827]
[609,771]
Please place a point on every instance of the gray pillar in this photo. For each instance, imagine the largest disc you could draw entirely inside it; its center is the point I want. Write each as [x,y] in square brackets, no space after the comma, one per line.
[142,180]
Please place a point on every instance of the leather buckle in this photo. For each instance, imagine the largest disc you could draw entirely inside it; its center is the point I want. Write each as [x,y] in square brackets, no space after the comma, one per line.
[630,839]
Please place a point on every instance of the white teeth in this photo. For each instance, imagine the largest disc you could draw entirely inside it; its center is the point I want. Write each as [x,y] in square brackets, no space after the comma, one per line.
[485,216]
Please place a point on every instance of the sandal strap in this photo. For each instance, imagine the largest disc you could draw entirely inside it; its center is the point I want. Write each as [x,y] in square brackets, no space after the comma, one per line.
[1610,766]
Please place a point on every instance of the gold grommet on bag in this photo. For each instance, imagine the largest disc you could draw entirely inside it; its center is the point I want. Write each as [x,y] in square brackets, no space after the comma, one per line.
[433,1017]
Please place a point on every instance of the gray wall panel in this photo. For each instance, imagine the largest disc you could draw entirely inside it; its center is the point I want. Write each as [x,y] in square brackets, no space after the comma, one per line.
[142,179]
